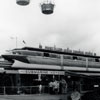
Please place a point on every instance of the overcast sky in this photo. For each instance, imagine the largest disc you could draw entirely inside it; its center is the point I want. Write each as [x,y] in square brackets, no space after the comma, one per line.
[74,24]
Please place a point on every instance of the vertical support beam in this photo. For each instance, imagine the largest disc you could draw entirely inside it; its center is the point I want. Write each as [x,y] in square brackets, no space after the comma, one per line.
[59,77]
[81,81]
[53,77]
[11,78]
[4,90]
[40,86]
[87,64]
[39,77]
[62,67]
[18,82]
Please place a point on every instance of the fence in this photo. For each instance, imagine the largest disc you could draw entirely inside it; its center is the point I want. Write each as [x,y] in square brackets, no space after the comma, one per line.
[23,89]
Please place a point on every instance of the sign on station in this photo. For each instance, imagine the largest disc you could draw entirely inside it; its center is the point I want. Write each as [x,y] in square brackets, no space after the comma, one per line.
[41,72]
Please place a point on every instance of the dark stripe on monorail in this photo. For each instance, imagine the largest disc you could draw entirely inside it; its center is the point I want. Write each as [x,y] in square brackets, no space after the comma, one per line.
[81,71]
[57,52]
[82,75]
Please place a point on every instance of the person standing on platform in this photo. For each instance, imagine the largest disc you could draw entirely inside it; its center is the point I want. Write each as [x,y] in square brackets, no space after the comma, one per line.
[56,87]
[51,87]
[40,88]
[63,86]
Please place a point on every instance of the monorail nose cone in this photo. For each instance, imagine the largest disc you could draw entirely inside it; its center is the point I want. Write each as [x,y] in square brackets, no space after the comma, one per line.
[23,2]
[47,8]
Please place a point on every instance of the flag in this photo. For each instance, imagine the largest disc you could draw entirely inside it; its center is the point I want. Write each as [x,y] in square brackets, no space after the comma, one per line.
[24,42]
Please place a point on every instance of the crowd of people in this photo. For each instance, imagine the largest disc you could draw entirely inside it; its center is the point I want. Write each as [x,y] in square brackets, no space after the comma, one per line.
[58,87]
[61,87]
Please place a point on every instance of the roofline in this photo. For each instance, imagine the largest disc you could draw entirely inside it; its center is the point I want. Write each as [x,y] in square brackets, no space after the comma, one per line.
[57,52]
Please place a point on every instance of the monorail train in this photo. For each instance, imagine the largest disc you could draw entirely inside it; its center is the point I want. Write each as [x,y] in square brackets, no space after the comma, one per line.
[37,58]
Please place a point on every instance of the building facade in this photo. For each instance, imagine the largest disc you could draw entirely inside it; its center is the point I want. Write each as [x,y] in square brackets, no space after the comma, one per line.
[25,70]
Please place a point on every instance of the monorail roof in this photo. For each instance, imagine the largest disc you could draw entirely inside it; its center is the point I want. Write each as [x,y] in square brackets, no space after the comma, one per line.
[57,52]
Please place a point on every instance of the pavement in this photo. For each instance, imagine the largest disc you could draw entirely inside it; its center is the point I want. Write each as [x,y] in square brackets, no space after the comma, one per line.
[33,97]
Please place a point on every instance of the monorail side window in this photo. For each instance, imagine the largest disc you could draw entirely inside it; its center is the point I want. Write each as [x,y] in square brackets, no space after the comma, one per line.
[83,58]
[39,54]
[16,52]
[97,60]
[67,57]
[74,57]
[58,56]
[53,55]
[91,59]
[79,58]
[46,54]
[34,53]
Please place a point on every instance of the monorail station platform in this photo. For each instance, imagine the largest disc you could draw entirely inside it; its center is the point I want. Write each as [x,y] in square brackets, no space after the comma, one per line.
[87,96]
[32,97]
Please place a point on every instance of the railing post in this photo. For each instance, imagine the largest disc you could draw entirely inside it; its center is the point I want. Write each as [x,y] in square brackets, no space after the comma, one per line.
[4,90]
[30,89]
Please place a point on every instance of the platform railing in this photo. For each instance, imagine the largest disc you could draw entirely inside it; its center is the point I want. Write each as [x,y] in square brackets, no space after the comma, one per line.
[23,90]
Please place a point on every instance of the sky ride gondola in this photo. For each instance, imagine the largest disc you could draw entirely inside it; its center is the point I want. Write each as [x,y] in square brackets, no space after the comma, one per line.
[47,8]
[23,2]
